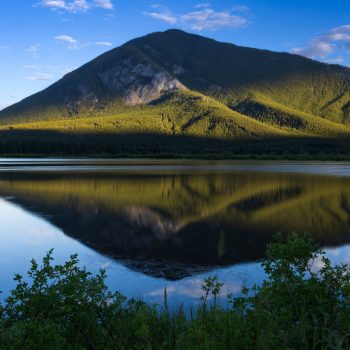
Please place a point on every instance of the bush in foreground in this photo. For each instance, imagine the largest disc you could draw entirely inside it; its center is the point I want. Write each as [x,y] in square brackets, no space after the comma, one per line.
[296,307]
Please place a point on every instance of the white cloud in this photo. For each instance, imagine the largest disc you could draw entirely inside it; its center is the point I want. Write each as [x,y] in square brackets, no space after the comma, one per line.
[72,43]
[240,8]
[53,4]
[204,17]
[39,77]
[209,19]
[325,44]
[63,5]
[75,6]
[335,60]
[103,43]
[316,49]
[163,16]
[199,6]
[104,4]
[33,48]
[66,38]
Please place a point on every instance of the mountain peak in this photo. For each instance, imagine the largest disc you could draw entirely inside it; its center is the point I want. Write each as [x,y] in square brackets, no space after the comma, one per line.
[242,79]
[176,31]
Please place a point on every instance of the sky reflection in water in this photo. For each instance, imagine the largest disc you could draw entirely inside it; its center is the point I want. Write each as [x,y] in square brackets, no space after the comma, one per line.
[197,224]
[25,236]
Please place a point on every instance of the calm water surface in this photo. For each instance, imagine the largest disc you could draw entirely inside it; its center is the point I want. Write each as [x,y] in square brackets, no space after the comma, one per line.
[153,224]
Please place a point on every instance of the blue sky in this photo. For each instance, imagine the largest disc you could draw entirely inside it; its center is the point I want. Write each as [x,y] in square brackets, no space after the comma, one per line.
[41,40]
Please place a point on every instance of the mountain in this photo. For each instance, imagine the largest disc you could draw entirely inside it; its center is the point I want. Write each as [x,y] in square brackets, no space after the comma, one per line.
[177,92]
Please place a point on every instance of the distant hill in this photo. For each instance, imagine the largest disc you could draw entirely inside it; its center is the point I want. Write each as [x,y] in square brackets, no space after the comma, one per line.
[172,92]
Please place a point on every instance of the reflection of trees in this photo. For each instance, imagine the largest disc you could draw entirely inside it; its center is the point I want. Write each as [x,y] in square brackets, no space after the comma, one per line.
[191,218]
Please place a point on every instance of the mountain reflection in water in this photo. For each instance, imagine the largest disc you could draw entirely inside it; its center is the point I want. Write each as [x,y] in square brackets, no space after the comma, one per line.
[175,224]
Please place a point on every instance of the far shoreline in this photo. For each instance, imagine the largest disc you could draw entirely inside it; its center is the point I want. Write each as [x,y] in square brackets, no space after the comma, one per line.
[183,157]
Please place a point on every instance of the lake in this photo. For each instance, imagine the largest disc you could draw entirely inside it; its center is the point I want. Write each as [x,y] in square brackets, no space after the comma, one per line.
[153,224]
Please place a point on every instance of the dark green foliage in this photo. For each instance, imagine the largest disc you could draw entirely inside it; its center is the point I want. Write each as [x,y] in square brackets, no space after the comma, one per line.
[268,114]
[296,307]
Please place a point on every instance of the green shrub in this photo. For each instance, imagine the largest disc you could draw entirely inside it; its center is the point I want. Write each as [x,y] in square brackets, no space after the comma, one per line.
[296,307]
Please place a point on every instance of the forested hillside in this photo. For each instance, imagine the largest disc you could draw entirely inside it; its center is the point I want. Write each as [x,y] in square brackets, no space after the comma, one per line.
[178,93]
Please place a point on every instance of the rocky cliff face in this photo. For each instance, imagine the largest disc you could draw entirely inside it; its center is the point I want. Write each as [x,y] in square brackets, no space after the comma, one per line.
[139,83]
